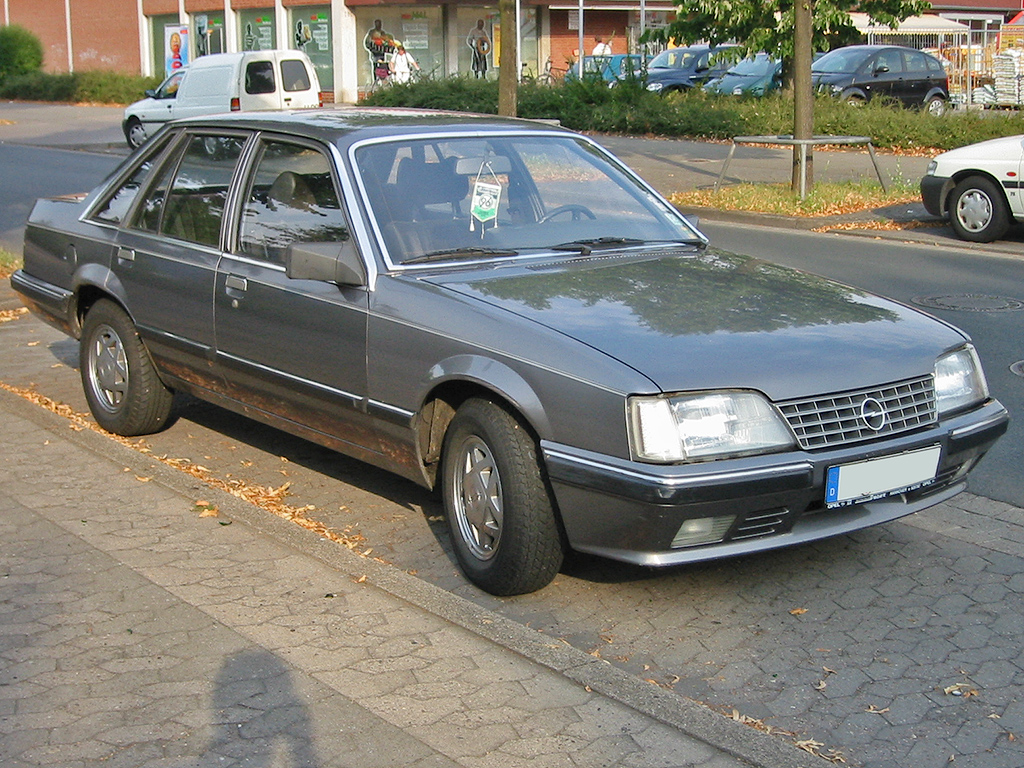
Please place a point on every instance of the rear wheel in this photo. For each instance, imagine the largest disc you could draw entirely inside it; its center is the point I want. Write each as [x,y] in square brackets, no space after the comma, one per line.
[935,106]
[121,384]
[978,211]
[500,513]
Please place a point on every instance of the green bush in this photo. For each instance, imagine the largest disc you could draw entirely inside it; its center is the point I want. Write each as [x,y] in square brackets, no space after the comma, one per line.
[78,87]
[20,52]
[589,105]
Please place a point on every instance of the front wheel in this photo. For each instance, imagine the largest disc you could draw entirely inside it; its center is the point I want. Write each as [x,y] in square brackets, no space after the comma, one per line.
[500,513]
[121,384]
[978,211]
[135,133]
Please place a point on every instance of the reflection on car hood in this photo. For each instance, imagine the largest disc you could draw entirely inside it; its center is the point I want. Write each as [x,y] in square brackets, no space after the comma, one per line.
[711,319]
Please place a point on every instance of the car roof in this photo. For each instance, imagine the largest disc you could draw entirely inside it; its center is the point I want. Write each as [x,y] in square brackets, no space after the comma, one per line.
[347,125]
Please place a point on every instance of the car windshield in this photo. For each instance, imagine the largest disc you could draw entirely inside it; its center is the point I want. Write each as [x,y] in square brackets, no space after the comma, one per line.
[759,66]
[675,58]
[457,198]
[839,61]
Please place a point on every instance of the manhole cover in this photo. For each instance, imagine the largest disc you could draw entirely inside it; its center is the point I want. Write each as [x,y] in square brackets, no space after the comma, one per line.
[970,302]
[1018,368]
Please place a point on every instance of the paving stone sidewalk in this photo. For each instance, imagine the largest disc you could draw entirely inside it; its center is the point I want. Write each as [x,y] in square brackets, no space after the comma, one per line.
[135,632]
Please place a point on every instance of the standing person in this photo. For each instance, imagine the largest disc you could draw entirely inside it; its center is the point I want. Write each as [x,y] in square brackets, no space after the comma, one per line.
[402,64]
[602,48]
[480,43]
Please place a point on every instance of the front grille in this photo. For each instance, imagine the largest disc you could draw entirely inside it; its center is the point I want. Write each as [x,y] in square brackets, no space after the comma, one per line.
[837,419]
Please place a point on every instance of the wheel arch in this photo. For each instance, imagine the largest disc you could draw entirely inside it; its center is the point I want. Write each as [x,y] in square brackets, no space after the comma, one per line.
[458,379]
[92,283]
[956,178]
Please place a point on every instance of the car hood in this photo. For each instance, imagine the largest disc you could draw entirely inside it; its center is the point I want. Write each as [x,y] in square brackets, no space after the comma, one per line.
[993,149]
[713,320]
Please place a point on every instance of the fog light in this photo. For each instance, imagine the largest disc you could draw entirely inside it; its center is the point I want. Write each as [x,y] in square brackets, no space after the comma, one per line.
[703,530]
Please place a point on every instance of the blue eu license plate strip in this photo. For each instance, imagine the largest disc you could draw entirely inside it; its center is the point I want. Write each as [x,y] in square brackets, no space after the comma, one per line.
[877,478]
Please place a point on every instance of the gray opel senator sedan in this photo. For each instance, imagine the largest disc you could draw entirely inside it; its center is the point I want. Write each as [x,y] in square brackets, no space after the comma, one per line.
[501,310]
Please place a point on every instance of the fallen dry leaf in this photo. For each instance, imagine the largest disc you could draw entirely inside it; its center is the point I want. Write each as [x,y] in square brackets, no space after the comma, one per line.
[798,611]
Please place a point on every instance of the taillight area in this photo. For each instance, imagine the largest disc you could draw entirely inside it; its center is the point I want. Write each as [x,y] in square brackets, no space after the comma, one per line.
[236,105]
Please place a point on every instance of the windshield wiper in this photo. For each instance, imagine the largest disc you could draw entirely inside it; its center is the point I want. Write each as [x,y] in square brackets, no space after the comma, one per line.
[468,252]
[586,246]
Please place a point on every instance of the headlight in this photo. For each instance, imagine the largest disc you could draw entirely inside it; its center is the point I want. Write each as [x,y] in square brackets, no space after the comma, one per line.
[959,380]
[705,425]
[932,166]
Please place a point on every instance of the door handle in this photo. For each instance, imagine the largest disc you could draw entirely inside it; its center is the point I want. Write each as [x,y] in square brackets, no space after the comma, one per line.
[235,283]
[125,255]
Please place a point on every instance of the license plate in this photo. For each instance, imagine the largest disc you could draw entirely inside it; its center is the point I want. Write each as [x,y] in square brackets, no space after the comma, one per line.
[877,478]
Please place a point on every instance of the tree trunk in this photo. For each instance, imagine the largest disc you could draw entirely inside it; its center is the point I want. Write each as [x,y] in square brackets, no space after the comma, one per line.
[508,78]
[803,97]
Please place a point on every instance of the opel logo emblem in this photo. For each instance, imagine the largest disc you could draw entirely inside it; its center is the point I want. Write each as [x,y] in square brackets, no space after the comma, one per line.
[872,413]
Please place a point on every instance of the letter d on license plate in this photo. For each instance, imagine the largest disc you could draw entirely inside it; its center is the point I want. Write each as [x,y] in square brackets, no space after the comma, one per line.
[877,478]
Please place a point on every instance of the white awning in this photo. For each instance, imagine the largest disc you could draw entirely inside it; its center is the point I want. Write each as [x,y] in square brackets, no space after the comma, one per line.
[916,25]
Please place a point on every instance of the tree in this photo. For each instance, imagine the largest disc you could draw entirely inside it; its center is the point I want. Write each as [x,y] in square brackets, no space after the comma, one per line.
[780,28]
[21,53]
[508,78]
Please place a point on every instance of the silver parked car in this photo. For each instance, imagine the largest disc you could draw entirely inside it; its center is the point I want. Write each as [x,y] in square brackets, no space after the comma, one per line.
[501,310]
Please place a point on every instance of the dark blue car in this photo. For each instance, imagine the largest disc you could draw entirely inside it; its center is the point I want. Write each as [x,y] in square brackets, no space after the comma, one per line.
[679,69]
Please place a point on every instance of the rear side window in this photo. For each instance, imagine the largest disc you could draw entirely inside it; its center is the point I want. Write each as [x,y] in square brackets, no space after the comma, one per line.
[193,207]
[294,75]
[259,77]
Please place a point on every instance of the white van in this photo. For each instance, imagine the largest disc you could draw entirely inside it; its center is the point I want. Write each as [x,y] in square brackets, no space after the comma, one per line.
[224,82]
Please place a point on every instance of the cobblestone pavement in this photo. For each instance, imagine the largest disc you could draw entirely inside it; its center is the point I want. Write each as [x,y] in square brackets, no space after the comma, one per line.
[135,632]
[896,646]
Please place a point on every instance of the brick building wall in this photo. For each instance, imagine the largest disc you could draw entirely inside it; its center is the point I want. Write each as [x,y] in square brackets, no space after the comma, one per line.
[105,36]
[610,25]
[104,33]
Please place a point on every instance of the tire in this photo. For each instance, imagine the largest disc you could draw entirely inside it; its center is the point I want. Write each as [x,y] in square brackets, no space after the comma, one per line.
[978,210]
[935,106]
[121,384]
[500,513]
[134,133]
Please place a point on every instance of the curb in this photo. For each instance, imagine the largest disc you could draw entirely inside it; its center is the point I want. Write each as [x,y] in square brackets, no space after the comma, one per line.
[691,718]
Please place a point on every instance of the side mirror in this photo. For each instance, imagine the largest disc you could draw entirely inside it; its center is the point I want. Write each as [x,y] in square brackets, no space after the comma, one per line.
[881,69]
[150,93]
[331,262]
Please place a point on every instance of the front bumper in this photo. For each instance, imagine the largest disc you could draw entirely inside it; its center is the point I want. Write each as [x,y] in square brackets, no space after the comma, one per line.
[932,192]
[632,512]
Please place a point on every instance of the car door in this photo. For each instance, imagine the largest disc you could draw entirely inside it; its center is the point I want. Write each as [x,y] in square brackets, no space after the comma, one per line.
[885,78]
[292,349]
[165,260]
[916,81]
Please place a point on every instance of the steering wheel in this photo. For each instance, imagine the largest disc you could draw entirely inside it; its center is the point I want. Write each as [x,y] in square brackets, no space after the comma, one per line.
[577,211]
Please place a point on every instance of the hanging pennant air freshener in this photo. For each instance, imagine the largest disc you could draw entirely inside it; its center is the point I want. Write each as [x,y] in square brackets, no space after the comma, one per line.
[484,207]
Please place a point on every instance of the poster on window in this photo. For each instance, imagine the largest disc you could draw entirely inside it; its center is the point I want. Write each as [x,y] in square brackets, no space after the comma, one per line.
[176,46]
